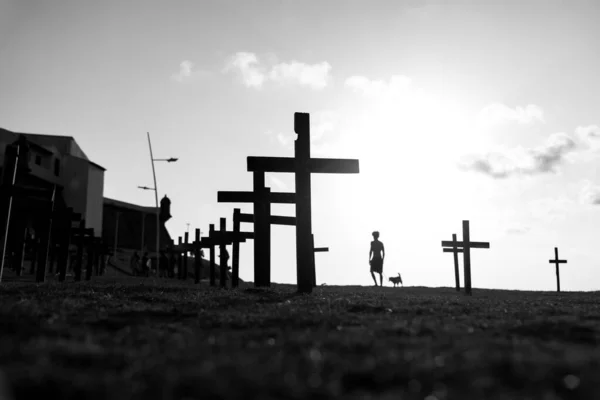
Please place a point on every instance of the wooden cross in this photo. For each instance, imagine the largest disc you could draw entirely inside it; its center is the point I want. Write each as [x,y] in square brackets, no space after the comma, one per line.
[466,246]
[302,165]
[222,237]
[556,261]
[316,250]
[454,249]
[262,198]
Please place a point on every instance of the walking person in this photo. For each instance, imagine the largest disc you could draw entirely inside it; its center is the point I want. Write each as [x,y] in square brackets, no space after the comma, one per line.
[376,257]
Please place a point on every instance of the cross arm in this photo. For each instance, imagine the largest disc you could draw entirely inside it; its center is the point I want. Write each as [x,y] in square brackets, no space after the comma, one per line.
[273,220]
[250,197]
[316,165]
[453,250]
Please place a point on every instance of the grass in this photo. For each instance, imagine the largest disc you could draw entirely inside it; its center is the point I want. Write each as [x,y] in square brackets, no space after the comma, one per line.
[150,339]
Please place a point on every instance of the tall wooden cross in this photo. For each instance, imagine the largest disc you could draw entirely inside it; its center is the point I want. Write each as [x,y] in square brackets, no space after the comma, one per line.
[262,198]
[466,246]
[454,249]
[302,165]
[556,261]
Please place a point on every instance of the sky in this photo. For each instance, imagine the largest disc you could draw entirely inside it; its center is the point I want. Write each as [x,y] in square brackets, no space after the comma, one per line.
[484,111]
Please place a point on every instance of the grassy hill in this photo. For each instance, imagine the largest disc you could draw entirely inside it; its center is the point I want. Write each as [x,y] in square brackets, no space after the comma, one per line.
[131,338]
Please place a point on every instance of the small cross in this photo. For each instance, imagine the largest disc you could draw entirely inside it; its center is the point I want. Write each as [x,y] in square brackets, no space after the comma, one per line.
[556,261]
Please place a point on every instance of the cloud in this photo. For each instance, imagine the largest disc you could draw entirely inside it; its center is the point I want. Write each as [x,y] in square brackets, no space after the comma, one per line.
[499,113]
[397,85]
[315,76]
[185,71]
[247,65]
[520,161]
[590,194]
[254,74]
[589,135]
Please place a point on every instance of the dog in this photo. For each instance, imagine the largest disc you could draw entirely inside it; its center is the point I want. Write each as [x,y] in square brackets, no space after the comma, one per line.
[396,280]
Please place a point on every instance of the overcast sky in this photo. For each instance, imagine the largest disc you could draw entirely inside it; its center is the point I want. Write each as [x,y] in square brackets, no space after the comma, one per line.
[488,113]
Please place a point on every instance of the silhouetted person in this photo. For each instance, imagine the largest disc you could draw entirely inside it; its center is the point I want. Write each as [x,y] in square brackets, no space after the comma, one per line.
[376,256]
[134,262]
[144,263]
[172,263]
[224,260]
[163,265]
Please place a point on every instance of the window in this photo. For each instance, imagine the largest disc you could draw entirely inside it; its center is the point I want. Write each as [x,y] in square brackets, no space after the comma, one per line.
[38,159]
[56,167]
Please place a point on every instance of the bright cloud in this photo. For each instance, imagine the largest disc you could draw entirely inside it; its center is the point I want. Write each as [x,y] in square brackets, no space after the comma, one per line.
[247,65]
[185,71]
[589,135]
[254,74]
[521,161]
[590,194]
[397,85]
[499,113]
[314,76]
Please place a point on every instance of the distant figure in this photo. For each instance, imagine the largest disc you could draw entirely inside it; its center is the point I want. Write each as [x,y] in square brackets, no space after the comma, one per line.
[134,262]
[144,263]
[225,259]
[172,263]
[376,256]
[163,265]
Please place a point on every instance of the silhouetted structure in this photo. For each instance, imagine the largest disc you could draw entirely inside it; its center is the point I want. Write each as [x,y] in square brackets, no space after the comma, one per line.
[466,245]
[52,184]
[262,198]
[215,238]
[455,250]
[302,166]
[557,262]
[132,227]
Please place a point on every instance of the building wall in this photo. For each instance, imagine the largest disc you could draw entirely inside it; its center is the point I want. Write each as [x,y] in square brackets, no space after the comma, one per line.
[95,199]
[75,180]
[136,227]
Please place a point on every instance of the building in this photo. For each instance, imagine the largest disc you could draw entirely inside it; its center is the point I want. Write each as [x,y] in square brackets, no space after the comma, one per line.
[49,160]
[132,227]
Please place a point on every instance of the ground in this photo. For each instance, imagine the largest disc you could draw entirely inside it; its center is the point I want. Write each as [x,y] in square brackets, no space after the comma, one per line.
[134,338]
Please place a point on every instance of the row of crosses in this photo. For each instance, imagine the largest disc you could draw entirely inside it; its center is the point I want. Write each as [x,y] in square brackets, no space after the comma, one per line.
[261,197]
[454,246]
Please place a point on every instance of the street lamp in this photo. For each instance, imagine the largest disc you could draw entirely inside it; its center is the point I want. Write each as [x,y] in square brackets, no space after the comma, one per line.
[155,188]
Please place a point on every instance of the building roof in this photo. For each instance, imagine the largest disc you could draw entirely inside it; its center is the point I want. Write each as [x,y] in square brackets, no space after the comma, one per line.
[128,206]
[65,145]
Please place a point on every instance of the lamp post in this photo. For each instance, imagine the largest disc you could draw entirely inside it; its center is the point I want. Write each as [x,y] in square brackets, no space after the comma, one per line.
[155,188]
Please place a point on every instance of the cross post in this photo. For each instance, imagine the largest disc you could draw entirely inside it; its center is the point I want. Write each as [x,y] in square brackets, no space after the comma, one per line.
[454,249]
[556,262]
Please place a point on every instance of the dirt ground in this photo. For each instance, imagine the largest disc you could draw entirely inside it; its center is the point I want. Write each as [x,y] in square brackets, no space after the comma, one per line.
[135,338]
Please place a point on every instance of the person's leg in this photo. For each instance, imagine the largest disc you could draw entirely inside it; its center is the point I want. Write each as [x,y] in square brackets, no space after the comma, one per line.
[381,278]
[374,279]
